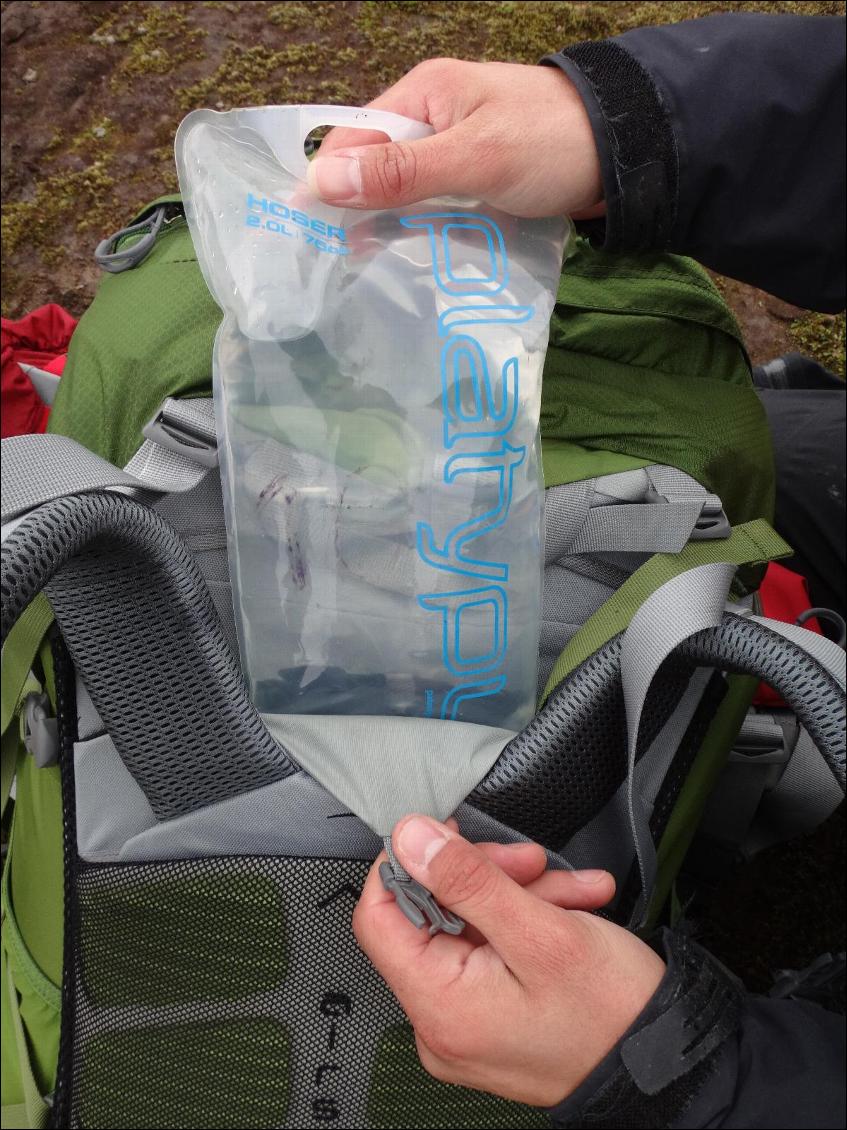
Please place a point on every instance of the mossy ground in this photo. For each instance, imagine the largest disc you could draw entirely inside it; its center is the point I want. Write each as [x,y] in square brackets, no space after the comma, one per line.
[93,93]
[89,138]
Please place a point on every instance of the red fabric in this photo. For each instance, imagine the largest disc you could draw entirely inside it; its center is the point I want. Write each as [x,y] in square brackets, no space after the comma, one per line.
[784,595]
[40,338]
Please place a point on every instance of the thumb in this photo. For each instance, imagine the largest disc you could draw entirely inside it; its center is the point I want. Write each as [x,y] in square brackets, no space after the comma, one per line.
[386,176]
[465,880]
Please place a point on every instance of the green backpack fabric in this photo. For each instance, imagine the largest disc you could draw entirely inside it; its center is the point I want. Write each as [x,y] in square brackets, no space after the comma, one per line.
[627,336]
[645,365]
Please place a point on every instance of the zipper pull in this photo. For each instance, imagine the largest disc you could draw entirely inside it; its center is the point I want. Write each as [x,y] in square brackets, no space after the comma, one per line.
[418,904]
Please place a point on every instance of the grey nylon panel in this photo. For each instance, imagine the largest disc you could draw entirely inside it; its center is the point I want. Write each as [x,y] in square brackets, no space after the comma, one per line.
[294,817]
[567,602]
[676,610]
[375,766]
[88,722]
[198,515]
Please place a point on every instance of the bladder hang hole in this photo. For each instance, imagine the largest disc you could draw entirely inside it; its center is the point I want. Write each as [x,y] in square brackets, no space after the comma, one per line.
[362,136]
[313,140]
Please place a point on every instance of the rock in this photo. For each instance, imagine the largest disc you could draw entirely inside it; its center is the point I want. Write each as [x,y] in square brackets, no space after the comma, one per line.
[30,75]
[16,21]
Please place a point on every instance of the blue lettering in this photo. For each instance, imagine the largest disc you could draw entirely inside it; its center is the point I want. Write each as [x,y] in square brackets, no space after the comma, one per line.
[451,556]
[476,411]
[481,610]
[443,227]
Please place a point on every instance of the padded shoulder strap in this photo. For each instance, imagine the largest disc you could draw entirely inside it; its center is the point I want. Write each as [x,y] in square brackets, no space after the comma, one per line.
[140,625]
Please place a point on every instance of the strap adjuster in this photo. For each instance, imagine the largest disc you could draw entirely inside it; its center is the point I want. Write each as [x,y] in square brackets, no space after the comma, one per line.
[178,436]
[711,525]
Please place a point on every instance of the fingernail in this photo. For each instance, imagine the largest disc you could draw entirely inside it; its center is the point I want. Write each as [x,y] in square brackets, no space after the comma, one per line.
[420,840]
[589,876]
[335,179]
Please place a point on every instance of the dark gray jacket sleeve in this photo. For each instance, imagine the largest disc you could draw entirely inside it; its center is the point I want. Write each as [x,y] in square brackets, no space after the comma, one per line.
[723,138]
[704,1053]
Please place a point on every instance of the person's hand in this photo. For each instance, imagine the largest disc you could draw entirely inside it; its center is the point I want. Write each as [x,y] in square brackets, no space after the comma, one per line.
[531,996]
[517,137]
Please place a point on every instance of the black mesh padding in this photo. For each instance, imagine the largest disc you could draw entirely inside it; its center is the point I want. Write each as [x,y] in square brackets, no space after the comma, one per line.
[686,755]
[744,647]
[563,767]
[568,762]
[143,633]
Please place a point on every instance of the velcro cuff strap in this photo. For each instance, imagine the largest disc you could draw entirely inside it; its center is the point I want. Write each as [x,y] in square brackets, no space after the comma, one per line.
[698,1021]
[639,161]
[656,1071]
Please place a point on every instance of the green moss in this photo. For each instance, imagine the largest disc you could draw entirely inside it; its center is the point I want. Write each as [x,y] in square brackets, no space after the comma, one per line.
[293,16]
[246,76]
[156,38]
[70,198]
[822,336]
[94,137]
[250,76]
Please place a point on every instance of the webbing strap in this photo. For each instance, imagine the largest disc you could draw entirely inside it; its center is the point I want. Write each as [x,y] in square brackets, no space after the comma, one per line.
[637,528]
[750,543]
[40,468]
[647,510]
[685,604]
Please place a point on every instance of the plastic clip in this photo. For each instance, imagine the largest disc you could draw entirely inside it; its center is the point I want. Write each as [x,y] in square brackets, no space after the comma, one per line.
[831,616]
[178,436]
[40,731]
[711,525]
[418,904]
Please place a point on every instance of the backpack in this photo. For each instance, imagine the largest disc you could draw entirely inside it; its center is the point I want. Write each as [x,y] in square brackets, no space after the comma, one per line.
[178,889]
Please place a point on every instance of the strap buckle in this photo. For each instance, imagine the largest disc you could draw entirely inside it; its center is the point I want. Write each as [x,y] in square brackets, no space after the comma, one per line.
[711,525]
[418,904]
[40,732]
[177,435]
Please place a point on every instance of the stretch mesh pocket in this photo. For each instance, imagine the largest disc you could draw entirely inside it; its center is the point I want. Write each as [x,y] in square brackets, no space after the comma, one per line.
[231,992]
